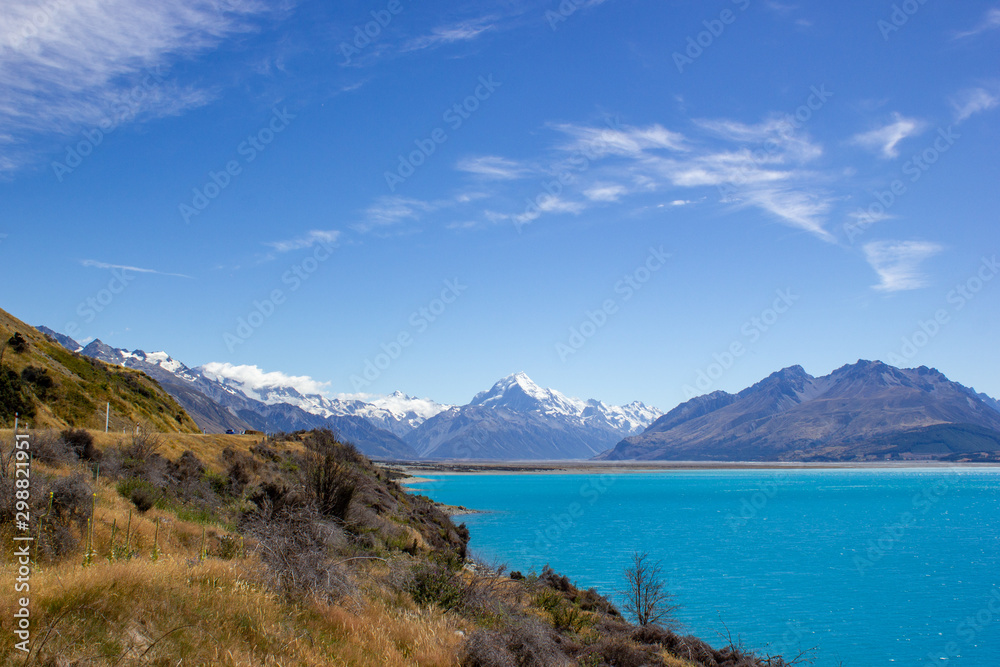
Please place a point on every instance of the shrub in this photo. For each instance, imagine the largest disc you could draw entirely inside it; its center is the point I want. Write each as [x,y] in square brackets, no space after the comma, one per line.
[81,443]
[14,396]
[143,495]
[433,583]
[72,500]
[39,379]
[527,642]
[331,483]
[48,448]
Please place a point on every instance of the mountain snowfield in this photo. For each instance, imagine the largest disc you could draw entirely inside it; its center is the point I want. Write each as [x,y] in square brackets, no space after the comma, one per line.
[514,419]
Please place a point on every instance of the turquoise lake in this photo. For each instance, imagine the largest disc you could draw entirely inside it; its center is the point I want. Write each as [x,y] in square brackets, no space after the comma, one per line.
[871,567]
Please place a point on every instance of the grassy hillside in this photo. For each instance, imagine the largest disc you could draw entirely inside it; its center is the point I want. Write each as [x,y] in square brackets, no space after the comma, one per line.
[50,386]
[289,551]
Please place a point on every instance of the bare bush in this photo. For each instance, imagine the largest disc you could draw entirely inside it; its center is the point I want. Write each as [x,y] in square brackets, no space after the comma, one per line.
[331,483]
[646,597]
[48,447]
[297,545]
[81,443]
[526,642]
[141,444]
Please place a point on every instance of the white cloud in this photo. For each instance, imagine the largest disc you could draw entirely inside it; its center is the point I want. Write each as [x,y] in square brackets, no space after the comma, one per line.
[463,31]
[884,140]
[389,211]
[990,21]
[605,192]
[254,379]
[897,263]
[94,264]
[759,165]
[785,141]
[548,204]
[493,167]
[595,142]
[973,101]
[68,66]
[553,204]
[797,208]
[306,241]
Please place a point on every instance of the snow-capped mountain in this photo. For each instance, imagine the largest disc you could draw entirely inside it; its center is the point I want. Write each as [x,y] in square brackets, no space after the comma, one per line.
[217,406]
[517,419]
[517,392]
[397,413]
[514,419]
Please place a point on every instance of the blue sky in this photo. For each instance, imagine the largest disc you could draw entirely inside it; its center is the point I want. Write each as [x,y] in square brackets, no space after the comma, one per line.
[626,200]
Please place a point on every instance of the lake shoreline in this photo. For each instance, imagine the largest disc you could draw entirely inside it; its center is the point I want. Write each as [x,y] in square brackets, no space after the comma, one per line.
[416,471]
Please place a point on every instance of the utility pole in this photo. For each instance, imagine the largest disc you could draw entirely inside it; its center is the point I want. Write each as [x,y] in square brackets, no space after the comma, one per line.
[107,417]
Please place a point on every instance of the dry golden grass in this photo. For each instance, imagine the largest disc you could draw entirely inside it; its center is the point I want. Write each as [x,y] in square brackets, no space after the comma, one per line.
[209,612]
[208,447]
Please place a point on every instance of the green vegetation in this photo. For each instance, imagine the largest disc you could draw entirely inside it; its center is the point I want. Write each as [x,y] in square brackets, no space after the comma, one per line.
[53,387]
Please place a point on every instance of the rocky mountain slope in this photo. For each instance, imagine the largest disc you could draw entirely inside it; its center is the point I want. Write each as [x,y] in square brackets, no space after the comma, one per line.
[517,419]
[860,411]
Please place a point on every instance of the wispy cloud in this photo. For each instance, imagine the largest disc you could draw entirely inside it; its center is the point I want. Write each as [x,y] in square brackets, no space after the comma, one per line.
[493,167]
[897,263]
[463,31]
[94,264]
[306,241]
[389,211]
[972,101]
[884,140]
[69,65]
[607,164]
[990,21]
[605,192]
[596,142]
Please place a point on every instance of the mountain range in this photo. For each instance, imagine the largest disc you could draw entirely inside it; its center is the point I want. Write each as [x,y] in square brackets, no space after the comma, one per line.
[861,411]
[514,419]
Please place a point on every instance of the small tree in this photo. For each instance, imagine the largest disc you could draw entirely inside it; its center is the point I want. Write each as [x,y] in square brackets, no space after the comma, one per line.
[646,598]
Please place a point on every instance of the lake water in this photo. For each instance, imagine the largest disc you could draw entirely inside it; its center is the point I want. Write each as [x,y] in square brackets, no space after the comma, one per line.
[871,567]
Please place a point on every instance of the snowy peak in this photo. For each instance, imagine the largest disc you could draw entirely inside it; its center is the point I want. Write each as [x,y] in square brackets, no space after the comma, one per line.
[517,392]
